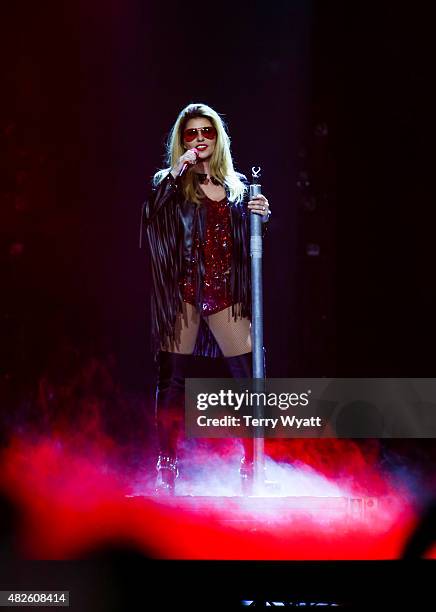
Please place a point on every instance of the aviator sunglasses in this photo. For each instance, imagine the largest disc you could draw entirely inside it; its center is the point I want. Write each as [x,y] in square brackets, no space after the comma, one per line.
[191,134]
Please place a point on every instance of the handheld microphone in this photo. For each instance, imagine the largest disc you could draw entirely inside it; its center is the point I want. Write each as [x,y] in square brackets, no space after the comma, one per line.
[187,164]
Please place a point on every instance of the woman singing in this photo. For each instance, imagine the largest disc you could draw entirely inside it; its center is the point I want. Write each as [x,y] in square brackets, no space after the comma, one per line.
[197,225]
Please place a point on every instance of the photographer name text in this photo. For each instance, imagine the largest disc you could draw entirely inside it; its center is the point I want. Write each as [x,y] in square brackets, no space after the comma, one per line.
[250,421]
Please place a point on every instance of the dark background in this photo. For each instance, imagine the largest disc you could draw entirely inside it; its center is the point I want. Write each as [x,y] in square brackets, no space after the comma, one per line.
[332,102]
[94,88]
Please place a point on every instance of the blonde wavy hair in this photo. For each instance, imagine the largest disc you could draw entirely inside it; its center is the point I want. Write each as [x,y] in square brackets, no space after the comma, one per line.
[221,163]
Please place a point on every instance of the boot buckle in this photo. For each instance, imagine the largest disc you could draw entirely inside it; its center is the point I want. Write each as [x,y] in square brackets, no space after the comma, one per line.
[167,472]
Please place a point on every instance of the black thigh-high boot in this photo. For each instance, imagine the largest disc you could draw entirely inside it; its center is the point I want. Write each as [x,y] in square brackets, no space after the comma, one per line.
[241,366]
[170,399]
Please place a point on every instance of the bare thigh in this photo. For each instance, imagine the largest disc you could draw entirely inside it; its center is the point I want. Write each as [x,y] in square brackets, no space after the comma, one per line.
[186,331]
[233,337]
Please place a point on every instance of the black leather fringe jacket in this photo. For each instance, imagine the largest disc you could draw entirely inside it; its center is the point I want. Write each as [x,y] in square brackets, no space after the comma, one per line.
[171,224]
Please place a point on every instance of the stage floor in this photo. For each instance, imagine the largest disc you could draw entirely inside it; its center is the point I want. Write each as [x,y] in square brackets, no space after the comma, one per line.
[239,510]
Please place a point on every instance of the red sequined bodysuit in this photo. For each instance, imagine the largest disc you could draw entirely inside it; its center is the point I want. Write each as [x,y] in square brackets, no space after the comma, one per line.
[217,253]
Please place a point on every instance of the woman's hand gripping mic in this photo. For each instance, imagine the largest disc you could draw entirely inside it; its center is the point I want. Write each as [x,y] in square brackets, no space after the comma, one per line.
[189,158]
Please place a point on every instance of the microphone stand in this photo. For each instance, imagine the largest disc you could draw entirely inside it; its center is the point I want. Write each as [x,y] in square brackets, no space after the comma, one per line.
[257,330]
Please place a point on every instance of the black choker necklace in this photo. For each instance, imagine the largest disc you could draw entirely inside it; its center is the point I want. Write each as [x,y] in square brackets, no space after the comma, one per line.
[202,178]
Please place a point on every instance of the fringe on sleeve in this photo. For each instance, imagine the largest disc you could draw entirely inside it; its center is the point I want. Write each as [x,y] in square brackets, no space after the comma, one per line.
[162,224]
[240,276]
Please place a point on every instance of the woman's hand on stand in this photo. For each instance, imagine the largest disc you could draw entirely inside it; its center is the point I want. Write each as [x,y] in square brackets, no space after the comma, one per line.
[259,205]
